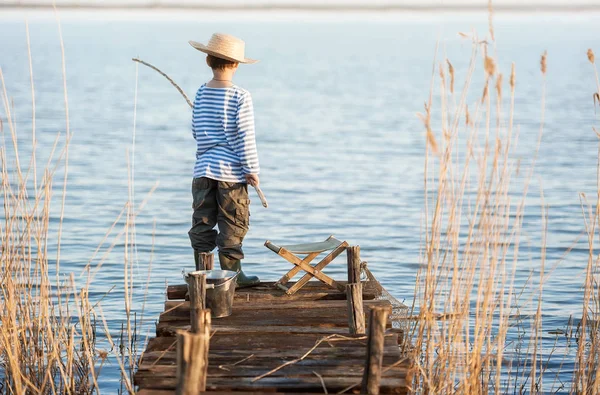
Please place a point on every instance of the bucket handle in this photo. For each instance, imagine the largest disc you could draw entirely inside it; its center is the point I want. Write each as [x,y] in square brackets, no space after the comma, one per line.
[212,286]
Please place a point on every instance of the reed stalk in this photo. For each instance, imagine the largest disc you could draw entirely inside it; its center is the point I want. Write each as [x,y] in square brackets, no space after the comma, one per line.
[49,332]
[472,236]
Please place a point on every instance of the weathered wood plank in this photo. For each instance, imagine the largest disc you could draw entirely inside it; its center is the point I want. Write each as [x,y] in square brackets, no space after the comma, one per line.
[277,324]
[227,357]
[222,341]
[261,317]
[267,329]
[268,384]
[239,371]
[166,329]
[313,290]
[178,310]
[147,391]
[269,358]
[264,359]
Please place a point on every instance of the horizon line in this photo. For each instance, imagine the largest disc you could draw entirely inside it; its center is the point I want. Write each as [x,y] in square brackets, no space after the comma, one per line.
[581,7]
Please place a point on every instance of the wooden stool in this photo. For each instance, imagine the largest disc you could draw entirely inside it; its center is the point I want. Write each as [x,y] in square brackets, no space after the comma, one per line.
[311,250]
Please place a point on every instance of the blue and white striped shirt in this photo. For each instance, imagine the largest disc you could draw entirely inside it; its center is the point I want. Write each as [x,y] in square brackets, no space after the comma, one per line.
[223,127]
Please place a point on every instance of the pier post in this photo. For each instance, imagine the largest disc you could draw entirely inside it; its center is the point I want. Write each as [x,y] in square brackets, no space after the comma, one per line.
[356,314]
[192,357]
[375,341]
[353,254]
[206,261]
[354,297]
[197,291]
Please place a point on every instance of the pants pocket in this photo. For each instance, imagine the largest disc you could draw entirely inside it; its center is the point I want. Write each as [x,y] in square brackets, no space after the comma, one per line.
[242,216]
[200,190]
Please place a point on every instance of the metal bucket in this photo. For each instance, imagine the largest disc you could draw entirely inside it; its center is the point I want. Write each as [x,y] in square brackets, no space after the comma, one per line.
[220,289]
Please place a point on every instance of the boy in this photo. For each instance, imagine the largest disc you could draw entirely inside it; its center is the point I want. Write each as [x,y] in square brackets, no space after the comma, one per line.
[226,157]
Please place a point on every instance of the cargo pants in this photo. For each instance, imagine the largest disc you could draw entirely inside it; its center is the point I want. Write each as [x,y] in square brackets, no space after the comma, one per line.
[221,203]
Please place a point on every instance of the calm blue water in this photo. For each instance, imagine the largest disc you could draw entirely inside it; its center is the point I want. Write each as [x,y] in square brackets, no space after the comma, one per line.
[341,149]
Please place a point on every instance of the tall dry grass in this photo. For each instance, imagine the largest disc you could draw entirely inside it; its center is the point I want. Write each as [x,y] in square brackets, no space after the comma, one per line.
[49,328]
[466,300]
[466,294]
[587,372]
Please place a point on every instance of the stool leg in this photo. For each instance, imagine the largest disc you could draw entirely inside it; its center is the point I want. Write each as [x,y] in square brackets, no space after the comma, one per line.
[319,266]
[296,269]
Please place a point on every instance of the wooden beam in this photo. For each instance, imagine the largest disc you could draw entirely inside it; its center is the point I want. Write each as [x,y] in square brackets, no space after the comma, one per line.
[312,290]
[197,290]
[206,261]
[375,342]
[353,254]
[356,315]
[192,359]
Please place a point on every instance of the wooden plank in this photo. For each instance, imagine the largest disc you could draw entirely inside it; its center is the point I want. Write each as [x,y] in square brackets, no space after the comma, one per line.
[271,356]
[297,384]
[240,371]
[299,323]
[267,329]
[237,355]
[178,310]
[267,358]
[168,329]
[229,349]
[324,317]
[148,391]
[261,340]
[313,290]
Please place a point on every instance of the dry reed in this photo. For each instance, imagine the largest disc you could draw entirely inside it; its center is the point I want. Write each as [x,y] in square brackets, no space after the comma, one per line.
[473,223]
[49,333]
[472,237]
[587,371]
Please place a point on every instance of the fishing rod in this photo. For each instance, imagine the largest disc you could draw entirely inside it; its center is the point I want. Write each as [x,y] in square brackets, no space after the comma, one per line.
[261,195]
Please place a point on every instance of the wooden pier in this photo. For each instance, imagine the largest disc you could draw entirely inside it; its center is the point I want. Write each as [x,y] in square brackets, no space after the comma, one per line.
[279,343]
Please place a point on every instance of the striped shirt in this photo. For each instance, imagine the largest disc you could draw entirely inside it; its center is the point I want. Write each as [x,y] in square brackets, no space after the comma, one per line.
[223,127]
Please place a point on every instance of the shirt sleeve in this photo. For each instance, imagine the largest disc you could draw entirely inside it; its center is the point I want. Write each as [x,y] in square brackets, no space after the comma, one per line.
[195,108]
[244,142]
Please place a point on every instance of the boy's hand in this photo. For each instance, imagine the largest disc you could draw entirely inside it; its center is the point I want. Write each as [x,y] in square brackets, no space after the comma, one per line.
[252,179]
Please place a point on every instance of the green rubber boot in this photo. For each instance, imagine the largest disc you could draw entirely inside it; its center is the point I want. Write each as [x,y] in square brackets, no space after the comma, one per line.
[235,265]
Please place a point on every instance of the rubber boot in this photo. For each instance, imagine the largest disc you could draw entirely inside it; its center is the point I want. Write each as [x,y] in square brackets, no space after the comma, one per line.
[235,265]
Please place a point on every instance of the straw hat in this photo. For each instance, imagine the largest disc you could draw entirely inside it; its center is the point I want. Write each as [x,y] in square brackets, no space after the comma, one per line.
[225,47]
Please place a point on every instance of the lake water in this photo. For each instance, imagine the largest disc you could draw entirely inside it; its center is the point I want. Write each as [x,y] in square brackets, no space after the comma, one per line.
[341,149]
